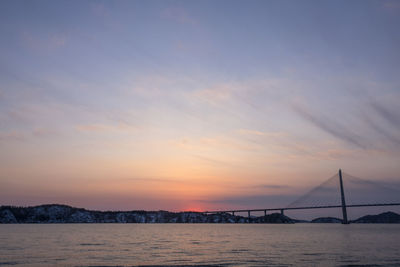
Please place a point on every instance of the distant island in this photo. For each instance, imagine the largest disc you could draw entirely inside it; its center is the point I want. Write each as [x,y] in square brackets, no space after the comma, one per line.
[56,213]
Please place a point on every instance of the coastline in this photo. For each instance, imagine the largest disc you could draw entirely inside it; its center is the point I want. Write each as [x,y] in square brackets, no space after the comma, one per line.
[56,213]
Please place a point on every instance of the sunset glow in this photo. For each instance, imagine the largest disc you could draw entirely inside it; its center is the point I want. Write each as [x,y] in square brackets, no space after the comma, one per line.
[167,105]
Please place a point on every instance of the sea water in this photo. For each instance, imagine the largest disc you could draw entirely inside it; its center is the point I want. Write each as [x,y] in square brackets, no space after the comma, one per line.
[199,244]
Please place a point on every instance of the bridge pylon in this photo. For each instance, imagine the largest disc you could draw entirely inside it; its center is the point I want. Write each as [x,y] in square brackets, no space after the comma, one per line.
[344,210]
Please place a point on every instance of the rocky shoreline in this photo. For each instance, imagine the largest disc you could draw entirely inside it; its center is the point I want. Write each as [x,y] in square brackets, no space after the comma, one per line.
[55,213]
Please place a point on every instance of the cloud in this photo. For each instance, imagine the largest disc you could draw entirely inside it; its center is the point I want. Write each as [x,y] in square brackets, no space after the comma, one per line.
[253,201]
[329,126]
[391,5]
[178,14]
[384,120]
[334,153]
[392,138]
[248,132]
[158,86]
[213,161]
[100,10]
[44,43]
[389,115]
[57,40]
[272,186]
[11,136]
[99,127]
[146,180]
[217,93]
[217,142]
[43,132]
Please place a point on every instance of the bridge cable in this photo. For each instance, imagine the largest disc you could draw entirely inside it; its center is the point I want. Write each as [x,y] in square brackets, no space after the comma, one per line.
[312,192]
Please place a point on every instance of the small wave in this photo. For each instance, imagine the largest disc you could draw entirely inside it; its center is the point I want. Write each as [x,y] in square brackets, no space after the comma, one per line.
[9,263]
[239,250]
[10,248]
[185,265]
[313,254]
[92,244]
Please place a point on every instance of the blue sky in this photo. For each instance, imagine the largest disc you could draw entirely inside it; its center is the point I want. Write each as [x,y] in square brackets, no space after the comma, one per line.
[109,97]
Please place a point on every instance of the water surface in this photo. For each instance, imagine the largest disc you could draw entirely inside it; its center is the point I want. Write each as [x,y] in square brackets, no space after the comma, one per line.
[199,244]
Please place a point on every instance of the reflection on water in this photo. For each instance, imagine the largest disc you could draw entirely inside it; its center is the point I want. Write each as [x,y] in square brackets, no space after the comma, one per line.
[199,244]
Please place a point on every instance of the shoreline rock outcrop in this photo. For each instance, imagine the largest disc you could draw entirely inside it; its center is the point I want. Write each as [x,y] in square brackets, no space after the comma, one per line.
[55,213]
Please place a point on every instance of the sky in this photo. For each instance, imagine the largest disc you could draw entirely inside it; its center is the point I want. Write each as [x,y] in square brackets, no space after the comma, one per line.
[195,105]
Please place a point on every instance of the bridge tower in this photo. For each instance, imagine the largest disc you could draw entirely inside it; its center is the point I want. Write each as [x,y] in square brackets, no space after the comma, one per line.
[344,211]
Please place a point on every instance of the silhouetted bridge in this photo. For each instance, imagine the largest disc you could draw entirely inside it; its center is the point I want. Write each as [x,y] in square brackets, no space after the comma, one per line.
[290,207]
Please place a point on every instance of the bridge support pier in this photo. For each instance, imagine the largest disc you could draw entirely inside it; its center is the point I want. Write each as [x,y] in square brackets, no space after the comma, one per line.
[265,212]
[233,213]
[282,212]
[248,214]
[344,211]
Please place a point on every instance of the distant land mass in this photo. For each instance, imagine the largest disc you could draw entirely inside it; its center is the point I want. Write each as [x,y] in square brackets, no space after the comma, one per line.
[327,220]
[386,217]
[56,213]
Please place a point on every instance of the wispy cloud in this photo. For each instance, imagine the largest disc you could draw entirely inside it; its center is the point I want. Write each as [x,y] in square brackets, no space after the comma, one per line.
[391,5]
[248,132]
[330,126]
[254,201]
[218,142]
[272,186]
[100,127]
[216,93]
[100,10]
[178,14]
[388,114]
[49,41]
[213,161]
[389,136]
[11,136]
[44,132]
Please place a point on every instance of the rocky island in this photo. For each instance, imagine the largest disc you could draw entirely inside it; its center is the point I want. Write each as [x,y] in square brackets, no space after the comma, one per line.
[386,217]
[327,220]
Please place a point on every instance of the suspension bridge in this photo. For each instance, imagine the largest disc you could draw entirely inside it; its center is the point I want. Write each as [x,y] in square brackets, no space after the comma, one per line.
[336,197]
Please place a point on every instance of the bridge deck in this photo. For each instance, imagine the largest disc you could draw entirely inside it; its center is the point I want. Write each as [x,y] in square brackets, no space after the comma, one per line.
[306,208]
